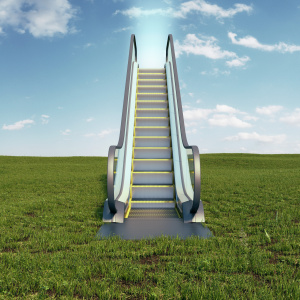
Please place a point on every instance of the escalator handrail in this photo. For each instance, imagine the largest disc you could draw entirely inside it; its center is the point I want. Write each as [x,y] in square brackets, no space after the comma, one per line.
[112,149]
[195,150]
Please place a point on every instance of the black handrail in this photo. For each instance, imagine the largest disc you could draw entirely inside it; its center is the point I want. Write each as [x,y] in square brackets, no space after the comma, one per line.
[195,150]
[112,149]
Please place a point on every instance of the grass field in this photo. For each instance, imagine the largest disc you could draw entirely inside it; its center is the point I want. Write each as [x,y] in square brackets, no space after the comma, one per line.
[51,210]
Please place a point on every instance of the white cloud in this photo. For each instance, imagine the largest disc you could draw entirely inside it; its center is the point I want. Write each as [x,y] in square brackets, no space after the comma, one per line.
[66,132]
[250,118]
[45,119]
[18,125]
[228,120]
[292,118]
[190,124]
[191,131]
[197,114]
[88,45]
[101,134]
[206,46]
[252,42]
[44,18]
[226,109]
[238,62]
[191,94]
[201,6]
[90,135]
[89,119]
[196,6]
[224,116]
[188,27]
[215,72]
[105,132]
[268,110]
[257,137]
[137,12]
[122,29]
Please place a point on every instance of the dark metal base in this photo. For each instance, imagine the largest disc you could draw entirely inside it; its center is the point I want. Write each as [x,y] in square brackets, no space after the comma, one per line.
[136,229]
[189,217]
[118,217]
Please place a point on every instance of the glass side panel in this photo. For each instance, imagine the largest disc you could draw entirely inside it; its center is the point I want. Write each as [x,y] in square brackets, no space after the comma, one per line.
[185,155]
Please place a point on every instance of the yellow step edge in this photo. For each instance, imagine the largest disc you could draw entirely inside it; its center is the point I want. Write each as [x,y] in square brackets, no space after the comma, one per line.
[161,73]
[152,201]
[151,137]
[144,70]
[152,185]
[152,117]
[151,79]
[153,100]
[156,86]
[151,69]
[153,172]
[152,126]
[152,148]
[142,86]
[148,101]
[151,93]
[152,109]
[128,209]
[159,159]
[148,172]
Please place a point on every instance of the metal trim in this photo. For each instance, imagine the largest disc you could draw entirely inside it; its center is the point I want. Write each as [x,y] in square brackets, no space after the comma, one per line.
[195,150]
[112,149]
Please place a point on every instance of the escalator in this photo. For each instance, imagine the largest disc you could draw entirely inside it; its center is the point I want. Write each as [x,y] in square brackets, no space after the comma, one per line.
[153,175]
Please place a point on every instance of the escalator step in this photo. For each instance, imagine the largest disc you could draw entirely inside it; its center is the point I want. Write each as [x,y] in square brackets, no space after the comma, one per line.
[153,213]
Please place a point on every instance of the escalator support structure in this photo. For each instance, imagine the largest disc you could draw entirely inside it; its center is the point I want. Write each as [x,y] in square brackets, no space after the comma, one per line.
[153,174]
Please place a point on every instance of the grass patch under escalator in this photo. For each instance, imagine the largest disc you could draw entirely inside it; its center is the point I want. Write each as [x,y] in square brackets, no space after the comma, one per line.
[51,210]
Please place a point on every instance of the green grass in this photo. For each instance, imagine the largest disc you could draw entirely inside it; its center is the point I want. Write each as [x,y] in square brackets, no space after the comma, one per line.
[51,210]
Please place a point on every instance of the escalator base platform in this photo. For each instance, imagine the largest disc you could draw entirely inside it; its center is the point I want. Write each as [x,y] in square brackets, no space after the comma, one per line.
[141,228]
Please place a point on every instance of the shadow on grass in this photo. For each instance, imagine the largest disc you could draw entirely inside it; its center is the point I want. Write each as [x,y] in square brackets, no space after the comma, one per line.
[103,187]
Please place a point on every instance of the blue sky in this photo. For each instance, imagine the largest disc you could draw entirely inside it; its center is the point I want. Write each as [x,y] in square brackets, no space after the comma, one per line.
[63,67]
